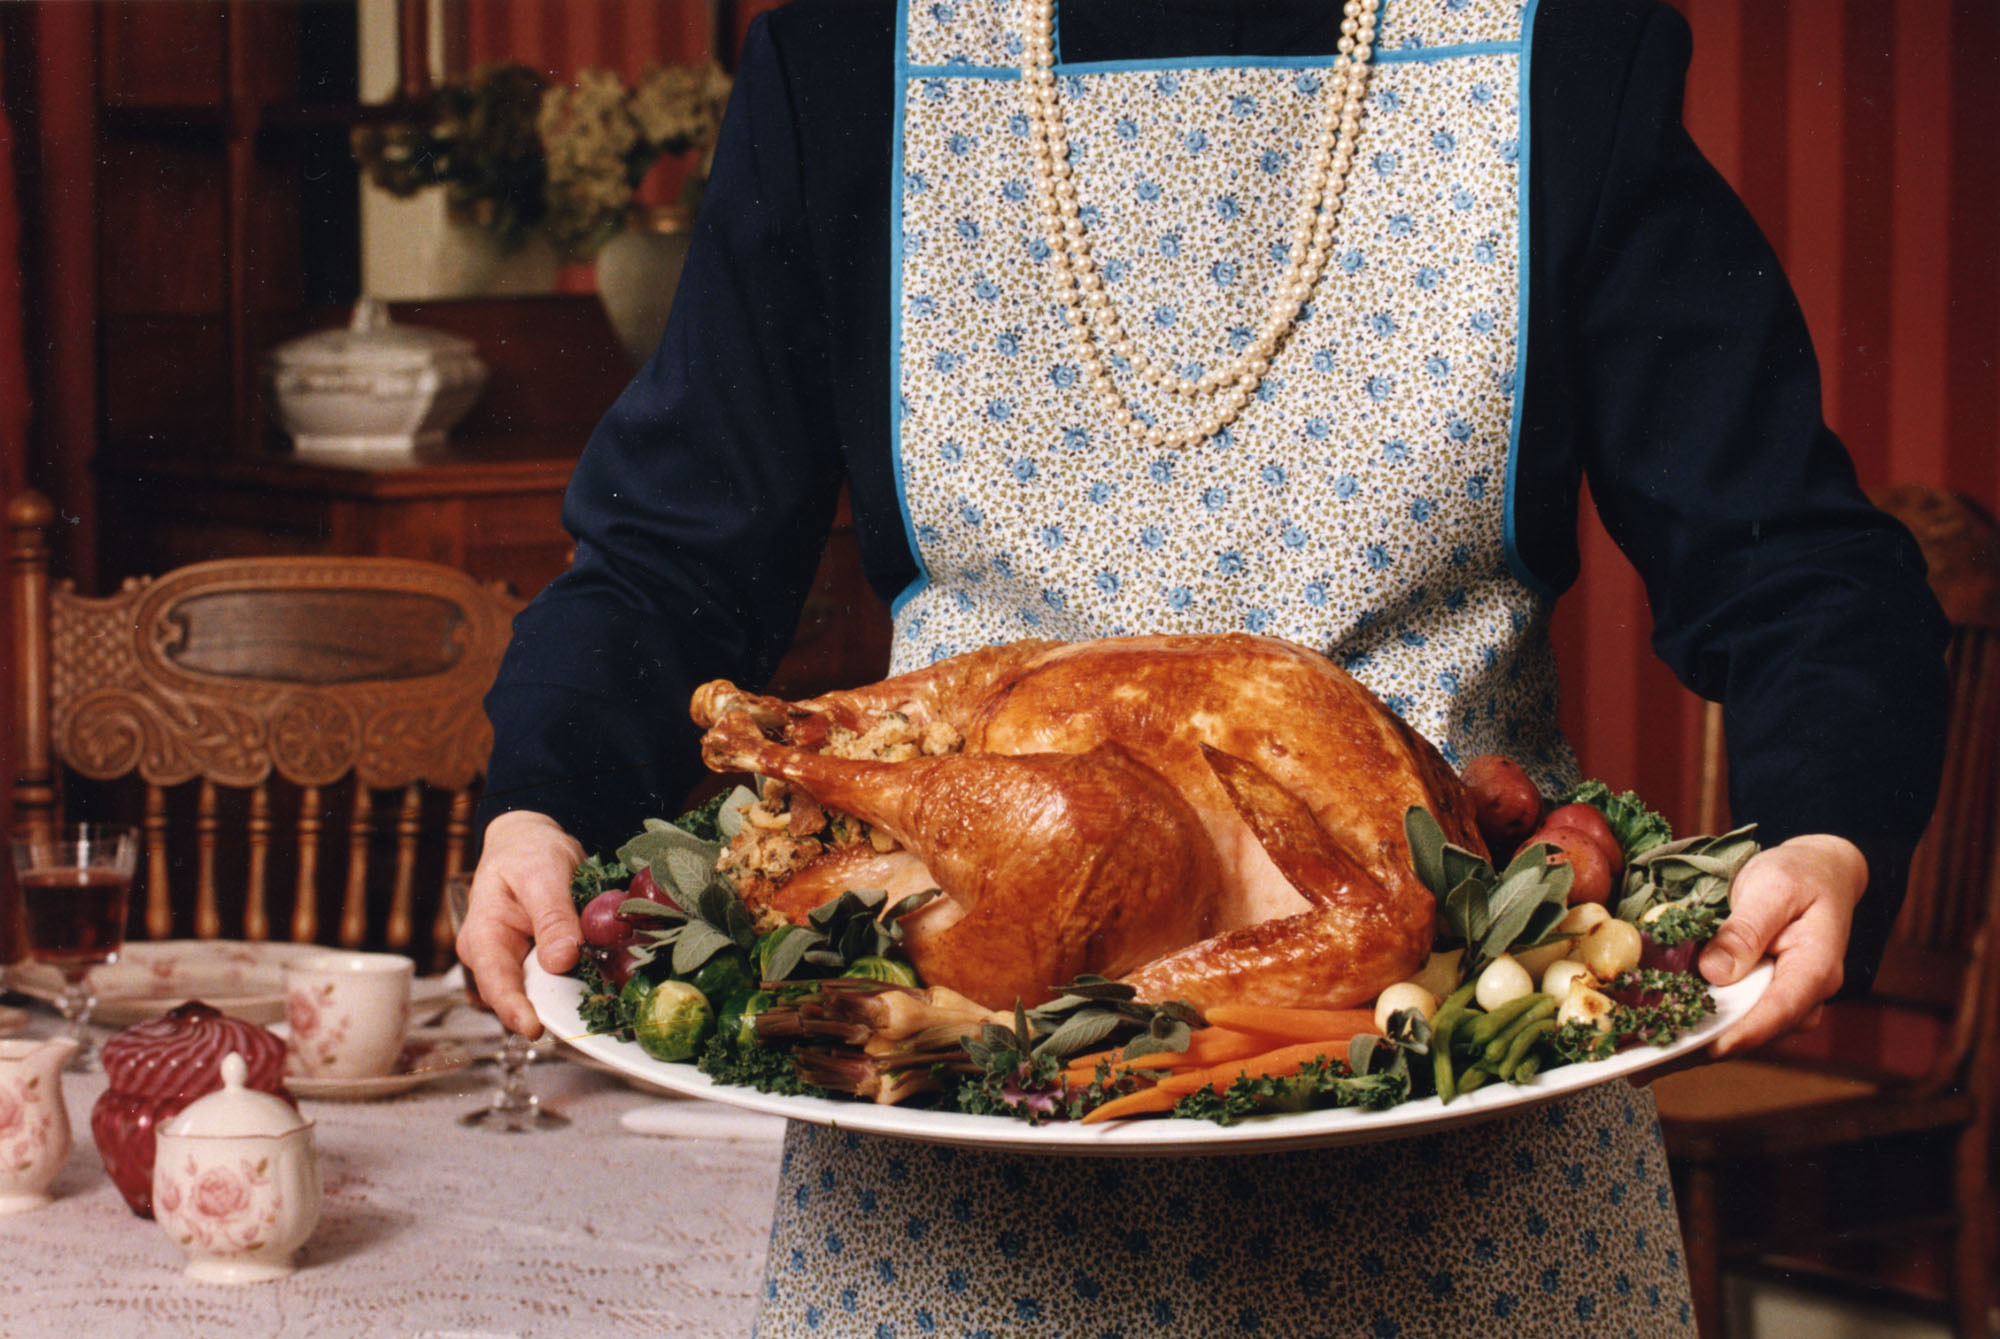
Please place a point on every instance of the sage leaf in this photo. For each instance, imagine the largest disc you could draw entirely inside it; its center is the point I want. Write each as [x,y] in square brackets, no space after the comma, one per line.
[789,951]
[729,818]
[1461,864]
[689,870]
[1427,843]
[697,944]
[636,908]
[1078,1032]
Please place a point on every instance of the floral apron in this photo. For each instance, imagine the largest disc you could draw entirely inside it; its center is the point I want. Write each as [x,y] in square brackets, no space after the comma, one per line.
[1361,504]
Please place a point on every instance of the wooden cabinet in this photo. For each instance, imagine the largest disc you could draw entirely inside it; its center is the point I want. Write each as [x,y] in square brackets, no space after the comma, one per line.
[495,515]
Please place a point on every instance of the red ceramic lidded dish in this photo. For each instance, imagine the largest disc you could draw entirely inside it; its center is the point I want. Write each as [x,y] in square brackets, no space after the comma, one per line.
[158,1067]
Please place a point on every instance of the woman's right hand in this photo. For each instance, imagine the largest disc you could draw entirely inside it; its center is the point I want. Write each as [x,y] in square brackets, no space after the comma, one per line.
[520,896]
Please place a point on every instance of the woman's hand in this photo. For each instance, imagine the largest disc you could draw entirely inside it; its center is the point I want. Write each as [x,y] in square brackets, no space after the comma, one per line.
[1794,901]
[520,895]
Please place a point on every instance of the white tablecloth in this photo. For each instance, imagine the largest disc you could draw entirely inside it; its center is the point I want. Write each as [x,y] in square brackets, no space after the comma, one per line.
[430,1229]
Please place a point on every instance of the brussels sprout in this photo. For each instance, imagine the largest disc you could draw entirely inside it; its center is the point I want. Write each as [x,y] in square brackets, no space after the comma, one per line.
[674,1022]
[724,975]
[739,1018]
[883,969]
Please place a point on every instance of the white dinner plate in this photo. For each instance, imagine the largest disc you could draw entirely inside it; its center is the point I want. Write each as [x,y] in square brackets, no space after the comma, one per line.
[556,999]
[245,980]
[420,1063]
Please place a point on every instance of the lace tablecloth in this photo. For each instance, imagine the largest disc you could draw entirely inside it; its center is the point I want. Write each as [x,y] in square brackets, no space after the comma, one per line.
[431,1229]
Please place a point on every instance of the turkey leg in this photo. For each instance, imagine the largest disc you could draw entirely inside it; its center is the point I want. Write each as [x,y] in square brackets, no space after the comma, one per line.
[1052,865]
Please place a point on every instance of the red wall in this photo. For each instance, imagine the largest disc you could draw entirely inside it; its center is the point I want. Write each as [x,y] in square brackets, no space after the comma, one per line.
[1863,138]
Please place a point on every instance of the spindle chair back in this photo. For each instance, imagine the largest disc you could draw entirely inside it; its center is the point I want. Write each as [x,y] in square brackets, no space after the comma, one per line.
[305,734]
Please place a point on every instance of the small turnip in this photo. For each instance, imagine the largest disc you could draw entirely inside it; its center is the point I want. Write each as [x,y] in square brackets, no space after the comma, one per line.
[1611,948]
[1588,1006]
[1564,975]
[1504,979]
[1403,995]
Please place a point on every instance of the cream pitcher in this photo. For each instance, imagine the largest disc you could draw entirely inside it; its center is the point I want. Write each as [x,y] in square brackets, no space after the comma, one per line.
[34,1123]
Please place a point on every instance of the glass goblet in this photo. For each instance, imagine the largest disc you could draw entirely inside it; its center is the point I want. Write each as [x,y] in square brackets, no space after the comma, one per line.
[75,883]
[514,1109]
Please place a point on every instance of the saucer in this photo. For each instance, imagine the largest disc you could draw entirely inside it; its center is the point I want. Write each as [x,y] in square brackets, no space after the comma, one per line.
[420,1062]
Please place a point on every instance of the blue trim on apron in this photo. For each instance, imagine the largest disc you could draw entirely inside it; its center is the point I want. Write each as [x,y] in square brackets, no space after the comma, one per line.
[903,73]
[1509,516]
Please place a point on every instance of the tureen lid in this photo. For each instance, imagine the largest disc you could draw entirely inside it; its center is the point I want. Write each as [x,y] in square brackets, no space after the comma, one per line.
[235,1109]
[371,339]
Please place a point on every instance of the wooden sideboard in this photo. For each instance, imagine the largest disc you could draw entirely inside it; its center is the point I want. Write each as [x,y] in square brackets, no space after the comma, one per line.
[494,514]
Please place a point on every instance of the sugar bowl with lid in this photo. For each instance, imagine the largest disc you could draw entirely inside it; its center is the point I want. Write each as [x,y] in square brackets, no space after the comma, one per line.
[236,1182]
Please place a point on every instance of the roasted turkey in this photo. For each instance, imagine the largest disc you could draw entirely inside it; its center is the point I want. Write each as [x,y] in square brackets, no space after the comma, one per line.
[1209,818]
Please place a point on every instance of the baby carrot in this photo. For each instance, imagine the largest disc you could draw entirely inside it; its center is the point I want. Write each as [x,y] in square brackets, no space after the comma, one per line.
[1292,1025]
[1210,1046]
[1284,1061]
[1142,1103]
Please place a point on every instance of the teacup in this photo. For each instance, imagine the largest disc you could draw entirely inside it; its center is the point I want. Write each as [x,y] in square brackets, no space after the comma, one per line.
[349,1013]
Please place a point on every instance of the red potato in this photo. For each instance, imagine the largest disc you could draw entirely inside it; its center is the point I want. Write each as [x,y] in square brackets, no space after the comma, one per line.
[1592,873]
[1506,805]
[1588,820]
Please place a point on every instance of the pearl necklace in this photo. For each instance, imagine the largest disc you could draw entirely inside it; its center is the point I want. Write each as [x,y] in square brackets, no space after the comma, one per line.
[1094,322]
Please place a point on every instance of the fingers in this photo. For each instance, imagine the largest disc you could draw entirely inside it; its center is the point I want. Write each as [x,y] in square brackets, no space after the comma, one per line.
[520,895]
[1795,903]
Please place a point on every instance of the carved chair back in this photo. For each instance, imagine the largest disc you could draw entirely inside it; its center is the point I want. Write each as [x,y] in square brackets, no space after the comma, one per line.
[305,734]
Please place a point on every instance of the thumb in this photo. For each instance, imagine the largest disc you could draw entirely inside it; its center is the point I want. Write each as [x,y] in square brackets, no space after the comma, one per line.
[1760,907]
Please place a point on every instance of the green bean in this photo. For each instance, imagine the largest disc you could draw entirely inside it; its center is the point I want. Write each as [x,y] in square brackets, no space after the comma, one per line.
[1527,1069]
[1443,1024]
[1524,1041]
[1472,1079]
[1490,1024]
[1543,1008]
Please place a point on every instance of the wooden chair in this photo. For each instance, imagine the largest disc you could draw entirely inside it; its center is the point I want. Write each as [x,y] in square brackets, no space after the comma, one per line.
[1774,1152]
[301,738]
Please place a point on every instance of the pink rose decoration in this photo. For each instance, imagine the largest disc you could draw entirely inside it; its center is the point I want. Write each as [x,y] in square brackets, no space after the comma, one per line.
[10,1111]
[219,1194]
[169,1197]
[302,1014]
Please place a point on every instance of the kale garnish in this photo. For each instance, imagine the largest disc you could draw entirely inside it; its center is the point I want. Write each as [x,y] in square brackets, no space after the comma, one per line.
[1317,1084]
[768,1069]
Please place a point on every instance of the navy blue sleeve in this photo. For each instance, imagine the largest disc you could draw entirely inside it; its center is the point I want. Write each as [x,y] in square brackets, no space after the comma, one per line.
[1676,371]
[699,507]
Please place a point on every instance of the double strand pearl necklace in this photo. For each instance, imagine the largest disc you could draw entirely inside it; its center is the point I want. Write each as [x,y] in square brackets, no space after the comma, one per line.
[1094,321]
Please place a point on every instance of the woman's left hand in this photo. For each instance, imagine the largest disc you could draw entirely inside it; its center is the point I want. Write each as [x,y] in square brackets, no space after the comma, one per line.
[1795,902]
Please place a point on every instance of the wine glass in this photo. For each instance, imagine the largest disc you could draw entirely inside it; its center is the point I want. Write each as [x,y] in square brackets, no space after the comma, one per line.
[75,883]
[514,1109]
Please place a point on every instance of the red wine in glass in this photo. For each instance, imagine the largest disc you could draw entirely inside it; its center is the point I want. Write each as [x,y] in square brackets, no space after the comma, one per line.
[75,917]
[74,884]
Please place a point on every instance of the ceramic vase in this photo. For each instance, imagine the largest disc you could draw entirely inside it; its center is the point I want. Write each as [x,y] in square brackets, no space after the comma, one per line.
[637,272]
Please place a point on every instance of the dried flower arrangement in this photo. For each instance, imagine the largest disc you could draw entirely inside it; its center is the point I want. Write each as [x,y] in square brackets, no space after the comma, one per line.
[515,153]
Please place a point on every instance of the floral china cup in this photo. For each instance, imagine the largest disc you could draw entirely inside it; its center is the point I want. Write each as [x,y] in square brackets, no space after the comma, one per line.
[236,1182]
[349,1013]
[34,1123]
